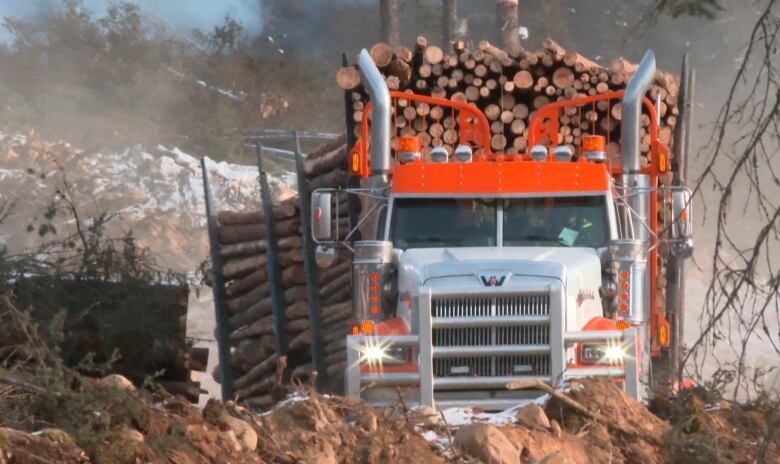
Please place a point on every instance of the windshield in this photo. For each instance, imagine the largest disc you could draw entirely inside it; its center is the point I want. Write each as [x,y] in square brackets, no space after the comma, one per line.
[443,222]
[563,221]
[527,222]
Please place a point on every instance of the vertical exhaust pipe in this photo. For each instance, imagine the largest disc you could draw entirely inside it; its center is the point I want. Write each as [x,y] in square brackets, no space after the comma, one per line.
[632,110]
[379,161]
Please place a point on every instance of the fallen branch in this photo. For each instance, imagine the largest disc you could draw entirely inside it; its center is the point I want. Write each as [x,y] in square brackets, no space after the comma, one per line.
[539,385]
[22,385]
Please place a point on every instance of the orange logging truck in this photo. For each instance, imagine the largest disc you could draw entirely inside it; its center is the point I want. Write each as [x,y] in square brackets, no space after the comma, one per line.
[478,269]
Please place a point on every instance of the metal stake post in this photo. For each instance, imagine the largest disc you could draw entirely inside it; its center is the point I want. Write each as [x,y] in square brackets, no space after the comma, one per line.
[218,287]
[272,266]
[675,286]
[309,269]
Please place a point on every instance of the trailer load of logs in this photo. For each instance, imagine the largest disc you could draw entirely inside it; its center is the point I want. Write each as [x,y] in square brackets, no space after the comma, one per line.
[508,88]
[243,250]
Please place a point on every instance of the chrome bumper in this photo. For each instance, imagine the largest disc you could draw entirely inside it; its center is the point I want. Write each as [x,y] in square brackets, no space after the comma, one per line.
[430,389]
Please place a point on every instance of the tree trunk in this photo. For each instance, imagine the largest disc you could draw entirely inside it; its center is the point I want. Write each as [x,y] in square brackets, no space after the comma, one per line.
[449,21]
[508,22]
[388,17]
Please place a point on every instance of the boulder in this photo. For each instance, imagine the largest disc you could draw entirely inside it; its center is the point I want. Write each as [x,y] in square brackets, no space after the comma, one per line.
[555,458]
[216,413]
[427,416]
[487,443]
[532,416]
[117,381]
[555,429]
[368,422]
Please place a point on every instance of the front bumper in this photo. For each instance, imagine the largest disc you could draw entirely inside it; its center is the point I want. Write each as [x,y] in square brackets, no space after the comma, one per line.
[424,387]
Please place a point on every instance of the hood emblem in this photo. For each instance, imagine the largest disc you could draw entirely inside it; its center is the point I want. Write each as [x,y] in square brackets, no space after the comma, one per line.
[584,295]
[493,279]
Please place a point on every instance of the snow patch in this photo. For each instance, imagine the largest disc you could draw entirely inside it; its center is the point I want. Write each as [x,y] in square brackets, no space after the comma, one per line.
[456,417]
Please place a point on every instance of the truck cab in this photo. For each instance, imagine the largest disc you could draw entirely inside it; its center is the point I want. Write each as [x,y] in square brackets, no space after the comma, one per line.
[478,271]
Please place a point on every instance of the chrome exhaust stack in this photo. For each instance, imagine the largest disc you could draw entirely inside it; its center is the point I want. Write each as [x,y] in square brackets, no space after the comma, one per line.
[630,254]
[379,161]
[632,110]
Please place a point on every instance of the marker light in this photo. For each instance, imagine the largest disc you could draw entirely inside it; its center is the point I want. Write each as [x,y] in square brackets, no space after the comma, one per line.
[463,153]
[367,327]
[623,325]
[539,153]
[439,155]
[594,148]
[562,153]
[663,335]
[409,144]
[408,149]
[354,165]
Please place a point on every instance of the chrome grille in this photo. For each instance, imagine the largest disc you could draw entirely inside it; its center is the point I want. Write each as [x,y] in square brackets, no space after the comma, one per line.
[482,306]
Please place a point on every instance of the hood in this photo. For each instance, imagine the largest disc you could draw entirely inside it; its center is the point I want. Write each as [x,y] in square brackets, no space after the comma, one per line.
[453,269]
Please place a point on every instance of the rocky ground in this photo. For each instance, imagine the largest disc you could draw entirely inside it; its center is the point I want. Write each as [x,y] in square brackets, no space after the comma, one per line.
[121,424]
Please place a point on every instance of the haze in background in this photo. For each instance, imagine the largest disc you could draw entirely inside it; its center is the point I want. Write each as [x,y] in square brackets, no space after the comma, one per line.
[183,16]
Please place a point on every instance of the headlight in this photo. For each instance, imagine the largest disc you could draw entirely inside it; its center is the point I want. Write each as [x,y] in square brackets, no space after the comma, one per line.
[378,354]
[601,354]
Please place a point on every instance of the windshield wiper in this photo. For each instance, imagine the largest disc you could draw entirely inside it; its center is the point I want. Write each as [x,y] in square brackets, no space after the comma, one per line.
[538,238]
[435,239]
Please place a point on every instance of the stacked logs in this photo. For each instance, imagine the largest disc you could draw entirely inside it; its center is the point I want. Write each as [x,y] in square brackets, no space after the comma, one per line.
[508,88]
[243,249]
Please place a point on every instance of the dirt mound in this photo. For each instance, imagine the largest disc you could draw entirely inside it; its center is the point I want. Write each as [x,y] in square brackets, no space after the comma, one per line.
[600,423]
[333,430]
[595,422]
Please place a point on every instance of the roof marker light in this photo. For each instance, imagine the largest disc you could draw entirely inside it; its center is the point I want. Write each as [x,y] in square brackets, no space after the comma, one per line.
[463,153]
[539,153]
[594,148]
[408,149]
[562,153]
[439,155]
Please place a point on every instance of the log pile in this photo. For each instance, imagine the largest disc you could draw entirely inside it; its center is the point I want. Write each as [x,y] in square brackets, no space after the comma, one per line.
[145,323]
[508,88]
[243,248]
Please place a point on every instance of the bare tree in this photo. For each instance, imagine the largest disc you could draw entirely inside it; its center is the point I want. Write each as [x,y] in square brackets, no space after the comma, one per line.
[449,21]
[388,17]
[742,307]
[508,22]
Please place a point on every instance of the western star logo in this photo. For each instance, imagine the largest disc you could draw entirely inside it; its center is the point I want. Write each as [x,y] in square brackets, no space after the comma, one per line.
[493,279]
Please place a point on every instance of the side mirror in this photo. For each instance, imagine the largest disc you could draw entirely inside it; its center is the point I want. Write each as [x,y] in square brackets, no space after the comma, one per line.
[321,216]
[325,255]
[682,222]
